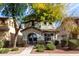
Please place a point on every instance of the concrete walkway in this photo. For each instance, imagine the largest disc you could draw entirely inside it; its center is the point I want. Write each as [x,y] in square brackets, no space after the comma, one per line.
[27,50]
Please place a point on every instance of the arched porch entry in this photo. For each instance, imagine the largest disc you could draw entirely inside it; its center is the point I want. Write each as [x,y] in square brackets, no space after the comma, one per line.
[32,38]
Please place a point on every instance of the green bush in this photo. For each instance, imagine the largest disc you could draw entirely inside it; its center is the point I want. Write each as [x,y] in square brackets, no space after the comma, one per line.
[64,42]
[36,46]
[40,48]
[49,42]
[14,49]
[6,43]
[4,50]
[50,46]
[73,44]
[41,42]
[1,43]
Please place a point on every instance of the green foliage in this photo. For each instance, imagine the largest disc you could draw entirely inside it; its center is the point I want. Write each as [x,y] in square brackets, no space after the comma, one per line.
[40,48]
[41,42]
[36,46]
[64,42]
[73,44]
[4,50]
[14,49]
[1,43]
[47,12]
[14,9]
[49,42]
[50,46]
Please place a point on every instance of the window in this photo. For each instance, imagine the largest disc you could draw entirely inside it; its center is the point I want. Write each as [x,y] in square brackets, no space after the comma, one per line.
[47,37]
[51,34]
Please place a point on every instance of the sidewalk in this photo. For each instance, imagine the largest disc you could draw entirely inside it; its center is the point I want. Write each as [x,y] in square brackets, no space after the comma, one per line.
[27,50]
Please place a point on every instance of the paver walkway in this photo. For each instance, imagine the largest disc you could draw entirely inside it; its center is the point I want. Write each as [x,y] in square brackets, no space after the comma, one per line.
[27,50]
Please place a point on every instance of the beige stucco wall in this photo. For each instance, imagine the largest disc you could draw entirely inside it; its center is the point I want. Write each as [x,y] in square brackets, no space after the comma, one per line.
[31,30]
[4,35]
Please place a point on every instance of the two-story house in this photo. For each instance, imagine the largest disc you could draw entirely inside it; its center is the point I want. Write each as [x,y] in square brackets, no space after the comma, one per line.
[7,30]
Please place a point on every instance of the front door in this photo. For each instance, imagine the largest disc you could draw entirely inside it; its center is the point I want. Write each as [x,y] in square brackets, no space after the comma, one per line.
[32,38]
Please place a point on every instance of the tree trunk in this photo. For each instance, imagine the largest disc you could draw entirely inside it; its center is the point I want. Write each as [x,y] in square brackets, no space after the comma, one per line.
[16,33]
[15,38]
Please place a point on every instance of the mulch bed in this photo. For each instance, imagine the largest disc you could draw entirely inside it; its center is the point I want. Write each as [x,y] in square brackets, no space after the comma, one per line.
[56,51]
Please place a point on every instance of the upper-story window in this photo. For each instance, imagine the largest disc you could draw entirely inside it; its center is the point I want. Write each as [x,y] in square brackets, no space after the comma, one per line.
[3,22]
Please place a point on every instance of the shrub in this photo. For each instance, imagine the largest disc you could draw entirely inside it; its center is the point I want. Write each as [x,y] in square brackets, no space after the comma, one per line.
[64,43]
[14,49]
[6,43]
[40,42]
[49,42]
[40,48]
[4,50]
[56,42]
[73,44]
[36,46]
[1,43]
[50,46]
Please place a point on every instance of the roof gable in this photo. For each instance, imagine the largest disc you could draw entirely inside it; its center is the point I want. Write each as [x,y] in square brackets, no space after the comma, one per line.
[30,28]
[39,29]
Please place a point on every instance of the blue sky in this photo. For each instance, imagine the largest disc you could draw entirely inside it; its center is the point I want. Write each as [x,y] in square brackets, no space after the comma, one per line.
[72,9]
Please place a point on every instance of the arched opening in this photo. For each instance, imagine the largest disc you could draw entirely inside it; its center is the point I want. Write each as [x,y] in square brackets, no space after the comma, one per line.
[32,38]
